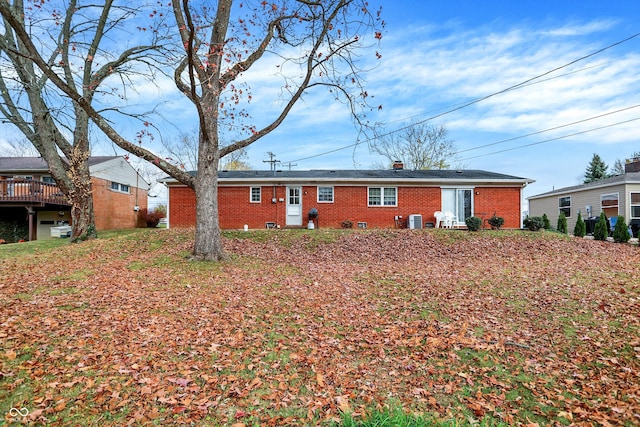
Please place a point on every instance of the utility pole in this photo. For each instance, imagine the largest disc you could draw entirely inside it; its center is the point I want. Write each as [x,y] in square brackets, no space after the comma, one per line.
[289,164]
[272,160]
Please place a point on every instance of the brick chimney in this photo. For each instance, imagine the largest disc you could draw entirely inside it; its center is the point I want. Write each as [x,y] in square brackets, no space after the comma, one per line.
[632,165]
[398,165]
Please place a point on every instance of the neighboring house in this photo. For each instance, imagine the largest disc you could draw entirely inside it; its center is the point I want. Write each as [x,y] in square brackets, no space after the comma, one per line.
[31,203]
[366,198]
[618,195]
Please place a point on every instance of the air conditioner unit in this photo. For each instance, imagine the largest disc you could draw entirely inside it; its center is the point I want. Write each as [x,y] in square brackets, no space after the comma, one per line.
[414,221]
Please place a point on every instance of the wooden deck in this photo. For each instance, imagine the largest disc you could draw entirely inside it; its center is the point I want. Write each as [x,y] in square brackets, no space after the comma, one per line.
[30,192]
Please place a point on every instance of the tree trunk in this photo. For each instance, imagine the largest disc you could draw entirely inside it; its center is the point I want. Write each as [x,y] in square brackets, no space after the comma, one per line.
[82,218]
[80,195]
[208,239]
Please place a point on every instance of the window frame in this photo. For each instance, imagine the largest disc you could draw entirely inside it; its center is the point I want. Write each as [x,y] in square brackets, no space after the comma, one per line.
[562,208]
[616,206]
[251,194]
[120,188]
[633,204]
[331,188]
[382,197]
[458,201]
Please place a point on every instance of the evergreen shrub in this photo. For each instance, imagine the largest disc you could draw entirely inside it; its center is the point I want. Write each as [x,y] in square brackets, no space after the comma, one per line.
[562,223]
[473,223]
[580,230]
[546,224]
[621,231]
[601,232]
[533,223]
[496,222]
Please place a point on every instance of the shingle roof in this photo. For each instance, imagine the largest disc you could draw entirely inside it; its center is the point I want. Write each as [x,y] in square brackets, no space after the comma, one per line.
[37,164]
[631,177]
[390,175]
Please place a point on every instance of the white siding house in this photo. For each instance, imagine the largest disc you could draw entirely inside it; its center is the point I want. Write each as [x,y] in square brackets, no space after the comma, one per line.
[615,196]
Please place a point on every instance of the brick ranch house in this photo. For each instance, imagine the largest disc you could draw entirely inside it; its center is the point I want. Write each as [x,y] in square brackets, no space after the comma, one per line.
[367,198]
[31,202]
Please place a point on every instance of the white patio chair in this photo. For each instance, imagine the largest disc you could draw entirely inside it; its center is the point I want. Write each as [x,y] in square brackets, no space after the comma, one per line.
[450,219]
[439,218]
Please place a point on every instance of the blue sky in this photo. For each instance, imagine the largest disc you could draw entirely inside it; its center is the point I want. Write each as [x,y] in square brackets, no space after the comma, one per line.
[437,56]
[440,55]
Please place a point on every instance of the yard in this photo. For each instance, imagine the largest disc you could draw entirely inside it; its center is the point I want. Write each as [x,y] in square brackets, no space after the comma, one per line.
[302,326]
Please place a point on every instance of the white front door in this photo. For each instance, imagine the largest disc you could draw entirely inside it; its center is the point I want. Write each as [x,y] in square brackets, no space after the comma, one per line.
[294,206]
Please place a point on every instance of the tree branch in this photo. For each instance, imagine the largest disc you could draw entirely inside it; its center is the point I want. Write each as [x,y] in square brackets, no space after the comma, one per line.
[102,124]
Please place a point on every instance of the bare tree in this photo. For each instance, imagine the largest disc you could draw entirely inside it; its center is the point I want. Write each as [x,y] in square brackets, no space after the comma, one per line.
[70,49]
[324,35]
[417,146]
[316,43]
[183,152]
[235,161]
[21,147]
[619,165]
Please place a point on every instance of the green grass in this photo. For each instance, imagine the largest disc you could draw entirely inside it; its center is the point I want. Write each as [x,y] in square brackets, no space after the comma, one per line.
[396,417]
[440,340]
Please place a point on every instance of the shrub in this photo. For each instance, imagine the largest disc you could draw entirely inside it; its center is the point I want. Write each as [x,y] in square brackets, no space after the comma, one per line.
[546,224]
[150,218]
[13,230]
[473,223]
[495,222]
[562,223]
[533,223]
[347,224]
[600,231]
[580,230]
[621,231]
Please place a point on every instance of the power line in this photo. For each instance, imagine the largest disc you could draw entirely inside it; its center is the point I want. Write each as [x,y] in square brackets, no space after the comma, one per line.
[548,130]
[474,101]
[552,139]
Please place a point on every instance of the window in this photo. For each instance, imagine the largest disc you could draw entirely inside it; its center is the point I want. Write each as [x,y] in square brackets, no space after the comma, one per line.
[256,194]
[325,194]
[459,201]
[123,188]
[635,205]
[48,179]
[609,204]
[564,205]
[294,196]
[383,196]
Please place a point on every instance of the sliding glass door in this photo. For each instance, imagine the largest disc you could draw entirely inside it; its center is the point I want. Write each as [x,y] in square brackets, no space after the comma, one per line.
[459,201]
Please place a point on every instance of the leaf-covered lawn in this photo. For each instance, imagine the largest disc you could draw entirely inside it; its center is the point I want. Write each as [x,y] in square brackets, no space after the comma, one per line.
[299,326]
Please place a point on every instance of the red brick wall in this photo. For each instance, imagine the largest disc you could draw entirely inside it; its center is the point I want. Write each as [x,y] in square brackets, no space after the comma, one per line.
[505,202]
[182,207]
[350,202]
[114,210]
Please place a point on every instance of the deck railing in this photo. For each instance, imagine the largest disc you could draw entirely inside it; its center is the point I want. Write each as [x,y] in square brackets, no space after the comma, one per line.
[19,190]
